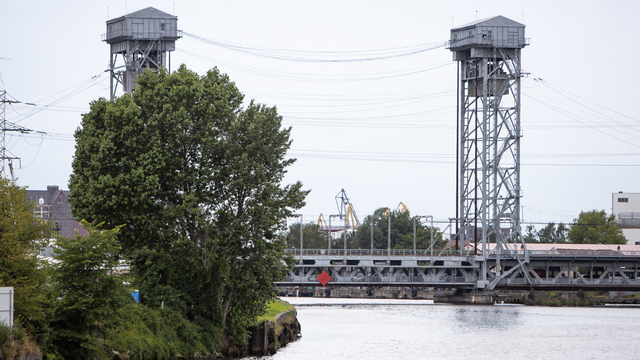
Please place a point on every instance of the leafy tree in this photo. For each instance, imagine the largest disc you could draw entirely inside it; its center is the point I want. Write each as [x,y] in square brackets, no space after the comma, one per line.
[196,181]
[89,292]
[423,239]
[595,227]
[22,235]
[531,235]
[312,236]
[401,232]
[553,233]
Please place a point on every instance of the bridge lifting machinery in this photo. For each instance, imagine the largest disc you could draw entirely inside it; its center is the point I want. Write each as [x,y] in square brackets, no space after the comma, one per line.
[488,197]
[488,154]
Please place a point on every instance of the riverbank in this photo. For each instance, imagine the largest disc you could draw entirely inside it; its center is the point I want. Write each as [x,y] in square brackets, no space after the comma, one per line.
[278,327]
[524,297]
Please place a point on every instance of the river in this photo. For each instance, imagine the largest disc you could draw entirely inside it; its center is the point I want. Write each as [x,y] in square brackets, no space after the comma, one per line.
[419,329]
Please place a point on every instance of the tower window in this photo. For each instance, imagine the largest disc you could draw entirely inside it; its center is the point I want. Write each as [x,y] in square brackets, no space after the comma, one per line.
[623,200]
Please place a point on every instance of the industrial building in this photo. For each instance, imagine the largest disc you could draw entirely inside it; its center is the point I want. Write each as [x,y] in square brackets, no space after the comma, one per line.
[626,208]
[53,205]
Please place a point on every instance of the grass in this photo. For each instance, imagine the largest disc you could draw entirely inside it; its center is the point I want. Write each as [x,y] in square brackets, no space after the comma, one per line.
[273,309]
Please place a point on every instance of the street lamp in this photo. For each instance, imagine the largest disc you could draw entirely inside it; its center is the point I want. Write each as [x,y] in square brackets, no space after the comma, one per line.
[331,216]
[301,232]
[286,242]
[430,231]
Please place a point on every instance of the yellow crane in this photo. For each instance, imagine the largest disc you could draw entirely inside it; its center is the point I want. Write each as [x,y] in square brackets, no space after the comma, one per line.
[345,208]
[352,218]
[322,223]
[403,207]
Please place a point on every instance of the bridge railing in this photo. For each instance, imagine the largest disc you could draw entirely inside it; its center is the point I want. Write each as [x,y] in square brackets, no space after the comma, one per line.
[568,281]
[447,279]
[374,252]
[562,252]
[411,252]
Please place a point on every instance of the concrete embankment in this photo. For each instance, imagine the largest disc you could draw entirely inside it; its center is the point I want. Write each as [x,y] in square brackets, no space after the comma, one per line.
[450,296]
[363,293]
[437,295]
[267,337]
[470,299]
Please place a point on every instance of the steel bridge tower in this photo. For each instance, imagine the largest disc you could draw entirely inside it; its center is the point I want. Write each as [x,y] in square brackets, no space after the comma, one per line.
[489,132]
[143,40]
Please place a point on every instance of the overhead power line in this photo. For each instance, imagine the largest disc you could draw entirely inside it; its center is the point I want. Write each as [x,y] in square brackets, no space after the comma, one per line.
[442,158]
[321,56]
[311,77]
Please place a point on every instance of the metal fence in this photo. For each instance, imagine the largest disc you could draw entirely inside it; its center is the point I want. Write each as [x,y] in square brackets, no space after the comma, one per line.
[374,252]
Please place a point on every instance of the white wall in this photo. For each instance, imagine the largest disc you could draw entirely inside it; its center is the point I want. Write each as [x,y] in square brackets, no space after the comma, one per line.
[631,205]
[632,236]
[6,305]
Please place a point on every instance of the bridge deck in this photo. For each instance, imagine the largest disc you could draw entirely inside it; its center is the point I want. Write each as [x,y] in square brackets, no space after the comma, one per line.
[552,269]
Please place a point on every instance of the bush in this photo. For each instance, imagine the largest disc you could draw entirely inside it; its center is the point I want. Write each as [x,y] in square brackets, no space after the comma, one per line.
[16,344]
[143,333]
[5,332]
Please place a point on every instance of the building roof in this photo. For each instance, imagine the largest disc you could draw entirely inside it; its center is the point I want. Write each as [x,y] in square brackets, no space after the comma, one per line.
[48,195]
[563,248]
[146,13]
[495,21]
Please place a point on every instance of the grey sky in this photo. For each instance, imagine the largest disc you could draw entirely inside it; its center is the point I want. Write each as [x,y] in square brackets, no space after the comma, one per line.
[382,130]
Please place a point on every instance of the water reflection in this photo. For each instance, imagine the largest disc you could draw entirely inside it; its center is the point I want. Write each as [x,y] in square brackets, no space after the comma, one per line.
[486,317]
[393,329]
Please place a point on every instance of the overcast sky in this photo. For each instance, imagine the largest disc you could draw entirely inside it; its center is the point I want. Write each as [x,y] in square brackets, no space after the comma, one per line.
[383,130]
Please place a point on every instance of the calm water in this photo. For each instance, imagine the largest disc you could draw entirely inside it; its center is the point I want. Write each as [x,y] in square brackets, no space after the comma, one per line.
[412,329]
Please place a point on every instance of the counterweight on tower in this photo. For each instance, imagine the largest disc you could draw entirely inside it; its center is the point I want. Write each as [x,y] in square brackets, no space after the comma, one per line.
[142,40]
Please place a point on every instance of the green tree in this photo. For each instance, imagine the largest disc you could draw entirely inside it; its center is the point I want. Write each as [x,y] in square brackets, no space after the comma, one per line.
[531,235]
[423,239]
[313,237]
[196,181]
[401,232]
[595,227]
[22,235]
[552,233]
[89,292]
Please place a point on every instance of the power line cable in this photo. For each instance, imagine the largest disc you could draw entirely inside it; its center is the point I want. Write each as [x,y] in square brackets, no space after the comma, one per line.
[311,77]
[321,56]
[555,89]
[582,122]
[75,90]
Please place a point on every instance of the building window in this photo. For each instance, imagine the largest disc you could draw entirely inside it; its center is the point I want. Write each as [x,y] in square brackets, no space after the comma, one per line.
[637,242]
[625,200]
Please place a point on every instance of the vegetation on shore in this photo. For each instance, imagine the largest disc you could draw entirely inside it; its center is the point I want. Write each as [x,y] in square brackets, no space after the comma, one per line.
[558,298]
[274,308]
[183,185]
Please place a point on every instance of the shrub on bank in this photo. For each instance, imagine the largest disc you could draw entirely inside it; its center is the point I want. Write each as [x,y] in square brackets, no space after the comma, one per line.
[559,298]
[143,333]
[16,344]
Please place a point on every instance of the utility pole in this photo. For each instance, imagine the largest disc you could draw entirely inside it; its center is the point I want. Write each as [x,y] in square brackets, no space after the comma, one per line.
[6,126]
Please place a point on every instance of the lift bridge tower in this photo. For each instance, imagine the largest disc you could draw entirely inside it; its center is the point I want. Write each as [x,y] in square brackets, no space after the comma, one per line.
[489,132]
[140,40]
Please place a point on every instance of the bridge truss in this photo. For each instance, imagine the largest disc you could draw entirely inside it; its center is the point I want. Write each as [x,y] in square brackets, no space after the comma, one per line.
[541,270]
